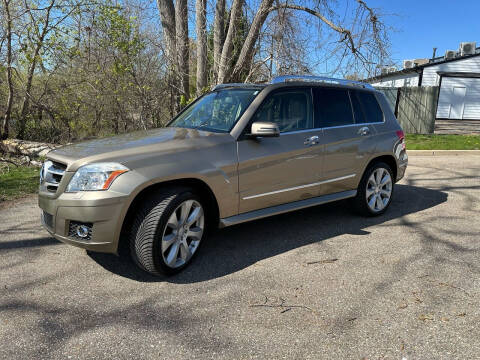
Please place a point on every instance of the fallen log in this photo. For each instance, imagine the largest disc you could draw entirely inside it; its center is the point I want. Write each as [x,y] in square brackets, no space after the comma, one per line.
[27,148]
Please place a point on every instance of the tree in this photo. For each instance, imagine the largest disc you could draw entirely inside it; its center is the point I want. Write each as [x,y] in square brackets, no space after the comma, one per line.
[201,30]
[218,34]
[181,22]
[8,110]
[363,42]
[72,69]
[99,71]
[245,59]
[40,30]
[174,21]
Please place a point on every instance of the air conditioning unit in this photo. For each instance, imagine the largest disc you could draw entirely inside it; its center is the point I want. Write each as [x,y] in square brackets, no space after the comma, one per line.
[408,64]
[450,54]
[467,48]
[419,62]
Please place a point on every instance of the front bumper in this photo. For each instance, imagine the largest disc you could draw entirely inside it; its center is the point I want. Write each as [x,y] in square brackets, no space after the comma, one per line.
[103,209]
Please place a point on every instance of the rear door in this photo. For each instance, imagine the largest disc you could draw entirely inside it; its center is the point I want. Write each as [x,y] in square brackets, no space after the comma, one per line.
[458,98]
[274,171]
[458,103]
[348,136]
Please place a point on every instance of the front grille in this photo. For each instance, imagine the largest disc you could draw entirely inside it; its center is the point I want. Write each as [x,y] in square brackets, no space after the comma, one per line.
[52,173]
[72,230]
[47,219]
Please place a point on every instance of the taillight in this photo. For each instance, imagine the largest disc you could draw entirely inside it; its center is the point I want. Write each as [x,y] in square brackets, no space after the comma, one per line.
[400,134]
[401,138]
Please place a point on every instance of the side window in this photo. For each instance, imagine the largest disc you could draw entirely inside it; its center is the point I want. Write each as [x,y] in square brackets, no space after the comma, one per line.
[367,109]
[332,107]
[290,110]
[358,111]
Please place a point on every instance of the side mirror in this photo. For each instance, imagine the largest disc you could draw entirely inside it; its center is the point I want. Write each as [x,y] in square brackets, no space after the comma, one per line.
[264,129]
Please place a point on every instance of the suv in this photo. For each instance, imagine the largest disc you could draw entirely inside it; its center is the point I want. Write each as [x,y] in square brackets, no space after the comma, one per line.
[238,153]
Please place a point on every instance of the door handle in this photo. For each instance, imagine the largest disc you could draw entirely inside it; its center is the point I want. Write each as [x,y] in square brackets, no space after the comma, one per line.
[311,140]
[364,131]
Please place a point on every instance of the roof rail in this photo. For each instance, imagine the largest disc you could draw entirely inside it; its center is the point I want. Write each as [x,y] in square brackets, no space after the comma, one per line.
[322,79]
[237,85]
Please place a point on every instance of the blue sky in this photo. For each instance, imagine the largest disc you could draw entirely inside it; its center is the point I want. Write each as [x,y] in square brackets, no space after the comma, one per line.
[422,25]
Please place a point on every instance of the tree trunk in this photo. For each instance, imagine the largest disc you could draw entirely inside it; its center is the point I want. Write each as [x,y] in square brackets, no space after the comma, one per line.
[246,54]
[6,119]
[26,97]
[166,10]
[181,22]
[224,68]
[218,34]
[167,18]
[31,72]
[201,29]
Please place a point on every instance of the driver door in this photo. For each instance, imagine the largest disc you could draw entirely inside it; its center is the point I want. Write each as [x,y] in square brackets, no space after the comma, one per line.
[274,171]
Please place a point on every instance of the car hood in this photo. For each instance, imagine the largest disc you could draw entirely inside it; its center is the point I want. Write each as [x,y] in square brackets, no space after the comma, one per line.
[123,147]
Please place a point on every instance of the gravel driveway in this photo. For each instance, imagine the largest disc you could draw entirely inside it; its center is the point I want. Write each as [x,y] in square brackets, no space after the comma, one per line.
[320,283]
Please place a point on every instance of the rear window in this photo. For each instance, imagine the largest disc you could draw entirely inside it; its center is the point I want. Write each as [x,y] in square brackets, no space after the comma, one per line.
[366,107]
[332,107]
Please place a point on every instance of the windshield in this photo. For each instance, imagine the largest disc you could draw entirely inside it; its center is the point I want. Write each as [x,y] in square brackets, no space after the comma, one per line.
[216,111]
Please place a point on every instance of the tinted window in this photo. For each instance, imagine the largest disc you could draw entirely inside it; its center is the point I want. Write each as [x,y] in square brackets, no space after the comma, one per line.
[357,108]
[332,107]
[290,110]
[369,104]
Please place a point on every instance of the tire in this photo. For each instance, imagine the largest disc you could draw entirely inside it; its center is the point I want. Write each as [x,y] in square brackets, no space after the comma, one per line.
[161,239]
[371,192]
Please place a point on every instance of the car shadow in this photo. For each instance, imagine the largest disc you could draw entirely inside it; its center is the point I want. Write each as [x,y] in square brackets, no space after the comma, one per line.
[235,248]
[28,243]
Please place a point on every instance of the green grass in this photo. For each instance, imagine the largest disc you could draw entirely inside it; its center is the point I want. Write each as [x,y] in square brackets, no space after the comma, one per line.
[16,182]
[442,142]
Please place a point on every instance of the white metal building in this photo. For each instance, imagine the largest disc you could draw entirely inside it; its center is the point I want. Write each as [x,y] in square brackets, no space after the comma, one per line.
[457,74]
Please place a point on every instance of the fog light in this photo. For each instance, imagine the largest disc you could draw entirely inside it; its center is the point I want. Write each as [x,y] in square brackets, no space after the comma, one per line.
[82,231]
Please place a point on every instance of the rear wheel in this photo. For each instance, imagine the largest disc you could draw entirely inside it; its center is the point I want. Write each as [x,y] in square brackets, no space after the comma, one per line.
[375,190]
[168,231]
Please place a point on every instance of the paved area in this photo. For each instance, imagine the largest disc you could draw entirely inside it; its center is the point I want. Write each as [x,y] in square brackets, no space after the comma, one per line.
[321,283]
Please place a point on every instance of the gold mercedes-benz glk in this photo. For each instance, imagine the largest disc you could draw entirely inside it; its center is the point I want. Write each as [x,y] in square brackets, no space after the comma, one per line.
[238,153]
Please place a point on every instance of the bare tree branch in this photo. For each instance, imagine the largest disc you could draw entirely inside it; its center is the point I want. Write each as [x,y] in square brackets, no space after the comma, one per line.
[347,34]
[256,66]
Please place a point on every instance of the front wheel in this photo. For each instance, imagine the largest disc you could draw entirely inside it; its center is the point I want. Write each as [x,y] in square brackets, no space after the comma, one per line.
[167,232]
[375,190]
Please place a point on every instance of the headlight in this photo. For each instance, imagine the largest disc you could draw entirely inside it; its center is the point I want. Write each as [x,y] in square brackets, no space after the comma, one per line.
[97,176]
[46,165]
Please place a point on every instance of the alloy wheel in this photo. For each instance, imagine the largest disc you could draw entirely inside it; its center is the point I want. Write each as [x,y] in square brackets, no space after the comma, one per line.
[183,233]
[379,189]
